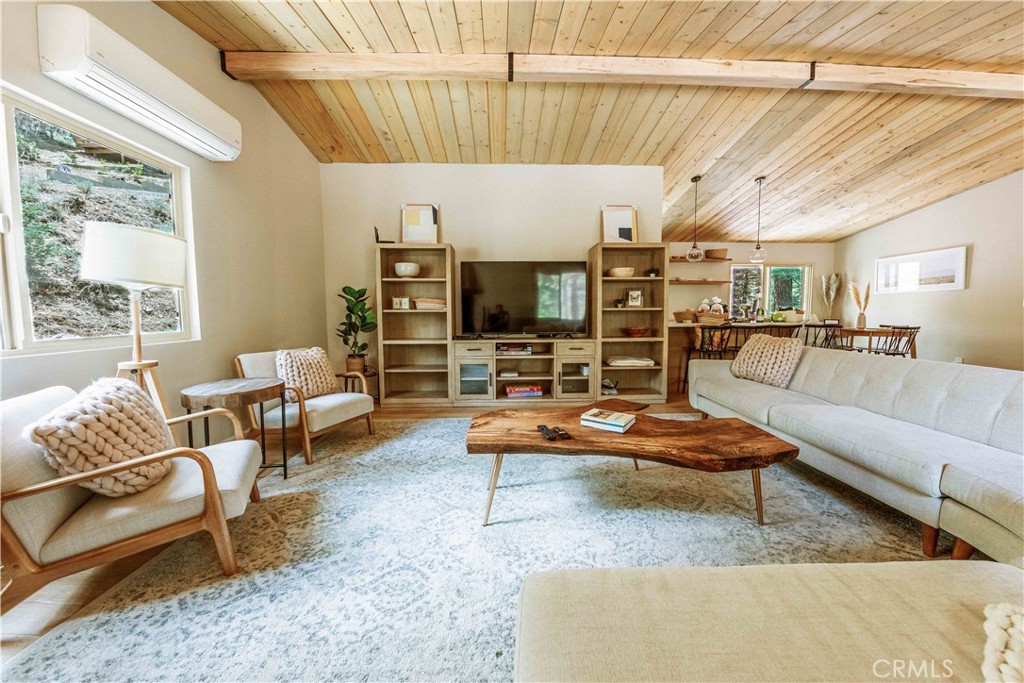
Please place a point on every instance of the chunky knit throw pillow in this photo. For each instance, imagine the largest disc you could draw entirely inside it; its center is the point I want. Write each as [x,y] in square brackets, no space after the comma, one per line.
[111,421]
[1004,643]
[308,369]
[768,360]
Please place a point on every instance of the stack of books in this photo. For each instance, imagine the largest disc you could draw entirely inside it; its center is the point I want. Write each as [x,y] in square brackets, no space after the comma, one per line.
[512,349]
[523,390]
[607,420]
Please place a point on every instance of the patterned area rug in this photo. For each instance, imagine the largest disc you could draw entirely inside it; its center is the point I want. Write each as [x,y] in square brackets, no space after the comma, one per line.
[372,564]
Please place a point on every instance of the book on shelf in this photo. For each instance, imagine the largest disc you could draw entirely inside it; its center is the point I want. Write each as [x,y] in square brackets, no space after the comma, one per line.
[508,373]
[511,349]
[524,389]
[608,417]
[526,394]
[606,427]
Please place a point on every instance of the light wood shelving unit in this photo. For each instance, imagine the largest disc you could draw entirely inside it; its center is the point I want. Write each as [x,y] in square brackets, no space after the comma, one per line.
[607,321]
[415,346]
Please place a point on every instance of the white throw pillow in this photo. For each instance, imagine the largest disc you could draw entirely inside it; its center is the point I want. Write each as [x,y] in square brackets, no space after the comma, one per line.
[109,422]
[308,369]
[768,360]
[1004,643]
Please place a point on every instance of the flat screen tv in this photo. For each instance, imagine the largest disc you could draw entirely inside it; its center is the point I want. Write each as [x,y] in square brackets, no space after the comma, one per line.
[531,298]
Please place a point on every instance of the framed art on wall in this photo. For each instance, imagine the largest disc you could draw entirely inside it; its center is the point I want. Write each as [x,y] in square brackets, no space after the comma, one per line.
[618,224]
[420,223]
[926,271]
[634,298]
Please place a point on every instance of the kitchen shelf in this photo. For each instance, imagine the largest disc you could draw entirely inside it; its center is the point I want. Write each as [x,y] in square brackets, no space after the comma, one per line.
[615,309]
[682,259]
[417,368]
[413,279]
[607,278]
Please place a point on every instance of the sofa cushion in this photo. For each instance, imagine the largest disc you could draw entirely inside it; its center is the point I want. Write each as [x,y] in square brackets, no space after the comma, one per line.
[110,422]
[323,411]
[970,401]
[817,622]
[748,398]
[768,360]
[906,453]
[35,518]
[994,487]
[178,496]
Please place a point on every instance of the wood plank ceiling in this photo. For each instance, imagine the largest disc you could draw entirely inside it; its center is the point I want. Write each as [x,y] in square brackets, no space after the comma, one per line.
[836,162]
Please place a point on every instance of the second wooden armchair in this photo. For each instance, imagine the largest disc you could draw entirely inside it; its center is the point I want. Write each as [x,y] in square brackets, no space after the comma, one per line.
[308,418]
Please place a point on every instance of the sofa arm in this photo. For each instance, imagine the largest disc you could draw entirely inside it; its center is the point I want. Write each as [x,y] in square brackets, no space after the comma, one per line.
[702,368]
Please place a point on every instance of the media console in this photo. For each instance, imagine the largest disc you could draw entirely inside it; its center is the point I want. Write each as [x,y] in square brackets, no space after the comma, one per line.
[423,362]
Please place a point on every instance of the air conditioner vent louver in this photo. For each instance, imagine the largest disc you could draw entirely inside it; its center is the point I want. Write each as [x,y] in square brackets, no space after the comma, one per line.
[82,53]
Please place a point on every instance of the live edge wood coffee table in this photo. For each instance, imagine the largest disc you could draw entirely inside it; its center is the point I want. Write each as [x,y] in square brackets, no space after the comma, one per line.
[718,445]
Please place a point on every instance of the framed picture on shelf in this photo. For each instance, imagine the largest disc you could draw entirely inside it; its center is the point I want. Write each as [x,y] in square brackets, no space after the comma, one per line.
[926,271]
[618,224]
[634,298]
[420,224]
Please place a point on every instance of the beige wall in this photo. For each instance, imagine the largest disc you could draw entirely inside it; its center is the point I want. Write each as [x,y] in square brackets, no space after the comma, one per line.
[984,323]
[257,221]
[819,255]
[488,213]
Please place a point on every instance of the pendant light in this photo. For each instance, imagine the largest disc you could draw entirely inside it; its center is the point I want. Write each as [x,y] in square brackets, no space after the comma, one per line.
[758,255]
[696,253]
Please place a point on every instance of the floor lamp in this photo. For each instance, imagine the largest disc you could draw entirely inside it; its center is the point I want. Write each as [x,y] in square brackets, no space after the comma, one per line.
[138,259]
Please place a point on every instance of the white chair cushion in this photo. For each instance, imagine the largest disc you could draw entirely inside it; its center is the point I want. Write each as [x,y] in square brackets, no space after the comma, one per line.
[323,411]
[178,496]
[35,518]
[749,398]
[906,453]
[994,487]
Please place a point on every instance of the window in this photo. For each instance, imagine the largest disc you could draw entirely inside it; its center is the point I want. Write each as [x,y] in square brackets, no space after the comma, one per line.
[59,176]
[769,287]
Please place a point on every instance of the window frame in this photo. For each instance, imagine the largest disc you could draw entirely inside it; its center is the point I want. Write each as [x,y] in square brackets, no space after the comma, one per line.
[808,293]
[16,320]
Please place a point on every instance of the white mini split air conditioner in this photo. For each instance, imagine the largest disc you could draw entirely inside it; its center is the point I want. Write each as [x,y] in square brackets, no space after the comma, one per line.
[81,52]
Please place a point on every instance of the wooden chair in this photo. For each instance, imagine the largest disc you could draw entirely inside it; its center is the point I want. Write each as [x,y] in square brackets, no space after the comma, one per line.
[898,342]
[740,335]
[712,341]
[783,331]
[50,527]
[308,418]
[823,336]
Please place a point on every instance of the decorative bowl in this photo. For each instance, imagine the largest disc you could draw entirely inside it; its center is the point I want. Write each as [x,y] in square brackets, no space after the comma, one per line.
[621,272]
[716,253]
[636,331]
[407,269]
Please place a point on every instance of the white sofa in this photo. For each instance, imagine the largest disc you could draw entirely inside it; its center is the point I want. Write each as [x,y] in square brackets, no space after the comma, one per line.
[941,442]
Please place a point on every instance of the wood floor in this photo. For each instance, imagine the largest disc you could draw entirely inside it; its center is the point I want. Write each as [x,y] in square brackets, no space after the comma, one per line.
[61,600]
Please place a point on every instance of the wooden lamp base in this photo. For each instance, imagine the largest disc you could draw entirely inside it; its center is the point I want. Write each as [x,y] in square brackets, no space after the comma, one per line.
[144,372]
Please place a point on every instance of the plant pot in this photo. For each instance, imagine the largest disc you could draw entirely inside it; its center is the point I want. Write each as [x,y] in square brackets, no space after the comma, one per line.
[862,321]
[355,364]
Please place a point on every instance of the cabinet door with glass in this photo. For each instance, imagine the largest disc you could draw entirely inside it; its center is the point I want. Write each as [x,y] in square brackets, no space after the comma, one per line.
[574,378]
[474,379]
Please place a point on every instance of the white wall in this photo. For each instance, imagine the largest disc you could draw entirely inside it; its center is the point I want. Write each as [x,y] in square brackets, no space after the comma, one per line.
[493,212]
[983,324]
[257,221]
[819,255]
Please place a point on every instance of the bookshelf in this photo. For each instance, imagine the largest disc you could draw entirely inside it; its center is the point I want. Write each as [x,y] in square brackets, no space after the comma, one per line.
[414,345]
[609,320]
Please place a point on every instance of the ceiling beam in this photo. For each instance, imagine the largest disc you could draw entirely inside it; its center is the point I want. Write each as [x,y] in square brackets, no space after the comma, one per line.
[338,66]
[248,66]
[851,77]
[659,71]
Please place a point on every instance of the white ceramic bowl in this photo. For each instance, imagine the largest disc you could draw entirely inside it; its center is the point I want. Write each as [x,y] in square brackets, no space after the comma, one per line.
[407,269]
[622,272]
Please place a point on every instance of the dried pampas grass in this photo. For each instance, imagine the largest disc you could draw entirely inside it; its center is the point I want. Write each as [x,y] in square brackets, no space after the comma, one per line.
[862,304]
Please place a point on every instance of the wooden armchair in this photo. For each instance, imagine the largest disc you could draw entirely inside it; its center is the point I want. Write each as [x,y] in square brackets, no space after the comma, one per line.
[50,528]
[308,418]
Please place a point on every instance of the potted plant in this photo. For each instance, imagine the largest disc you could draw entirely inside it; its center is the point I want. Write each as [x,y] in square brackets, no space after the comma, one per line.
[359,317]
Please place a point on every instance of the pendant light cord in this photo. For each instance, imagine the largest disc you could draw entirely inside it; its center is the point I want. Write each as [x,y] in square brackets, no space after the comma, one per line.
[760,181]
[696,182]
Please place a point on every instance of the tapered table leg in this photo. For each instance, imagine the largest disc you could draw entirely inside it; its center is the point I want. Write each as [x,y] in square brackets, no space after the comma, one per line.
[755,474]
[495,471]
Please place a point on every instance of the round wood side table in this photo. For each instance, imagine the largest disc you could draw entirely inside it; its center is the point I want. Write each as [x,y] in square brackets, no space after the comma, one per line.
[239,393]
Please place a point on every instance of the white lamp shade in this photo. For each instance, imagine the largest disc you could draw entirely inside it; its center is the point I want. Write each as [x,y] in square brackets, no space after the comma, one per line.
[134,257]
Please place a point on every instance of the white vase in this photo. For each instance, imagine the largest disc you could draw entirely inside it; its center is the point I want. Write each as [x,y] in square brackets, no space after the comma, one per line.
[862,321]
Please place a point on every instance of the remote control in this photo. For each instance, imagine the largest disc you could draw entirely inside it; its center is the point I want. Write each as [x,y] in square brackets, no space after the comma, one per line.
[562,434]
[543,429]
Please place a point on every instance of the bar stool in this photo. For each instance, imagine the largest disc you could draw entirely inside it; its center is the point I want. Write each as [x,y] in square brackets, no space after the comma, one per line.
[740,336]
[899,342]
[712,341]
